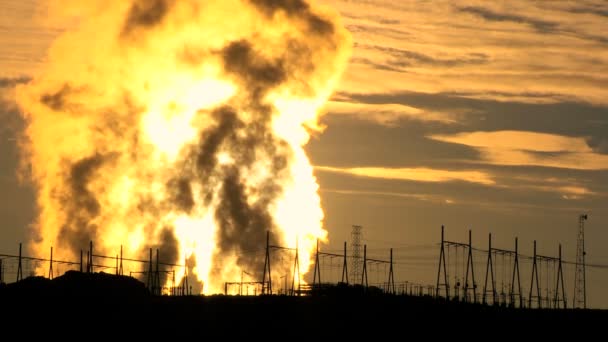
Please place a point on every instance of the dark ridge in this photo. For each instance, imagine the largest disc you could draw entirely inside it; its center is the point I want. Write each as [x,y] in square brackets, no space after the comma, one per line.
[343,311]
[74,283]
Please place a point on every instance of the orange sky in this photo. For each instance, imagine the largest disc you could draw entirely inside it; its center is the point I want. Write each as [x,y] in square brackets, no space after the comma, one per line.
[474,114]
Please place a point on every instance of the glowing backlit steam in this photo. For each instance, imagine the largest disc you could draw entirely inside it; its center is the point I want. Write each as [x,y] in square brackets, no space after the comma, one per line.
[179,125]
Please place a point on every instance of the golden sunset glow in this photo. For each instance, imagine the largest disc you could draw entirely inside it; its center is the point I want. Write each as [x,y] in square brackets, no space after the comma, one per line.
[197,128]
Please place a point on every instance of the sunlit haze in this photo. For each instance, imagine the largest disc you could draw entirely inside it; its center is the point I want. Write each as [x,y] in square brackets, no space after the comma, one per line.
[195,127]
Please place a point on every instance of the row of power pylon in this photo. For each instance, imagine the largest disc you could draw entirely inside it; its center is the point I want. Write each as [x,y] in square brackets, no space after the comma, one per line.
[468,292]
[296,286]
[91,264]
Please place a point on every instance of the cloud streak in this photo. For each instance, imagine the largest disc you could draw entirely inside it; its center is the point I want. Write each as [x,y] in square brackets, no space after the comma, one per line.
[388,114]
[487,14]
[517,140]
[414,174]
[516,148]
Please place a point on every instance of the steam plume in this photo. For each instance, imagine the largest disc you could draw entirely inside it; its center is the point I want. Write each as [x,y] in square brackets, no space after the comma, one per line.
[180,125]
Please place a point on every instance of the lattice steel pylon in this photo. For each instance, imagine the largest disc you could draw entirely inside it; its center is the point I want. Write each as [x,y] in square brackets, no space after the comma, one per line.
[355,245]
[580,293]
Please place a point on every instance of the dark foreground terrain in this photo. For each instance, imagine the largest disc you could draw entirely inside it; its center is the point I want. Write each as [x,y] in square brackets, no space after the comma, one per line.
[80,297]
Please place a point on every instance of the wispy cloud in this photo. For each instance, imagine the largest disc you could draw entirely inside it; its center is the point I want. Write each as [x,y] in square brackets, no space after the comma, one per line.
[517,140]
[520,51]
[404,58]
[514,51]
[420,197]
[414,174]
[530,149]
[566,188]
[388,113]
[575,161]
[488,14]
[569,189]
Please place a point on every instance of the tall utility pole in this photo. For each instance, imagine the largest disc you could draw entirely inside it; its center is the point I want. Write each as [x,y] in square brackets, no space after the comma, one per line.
[355,245]
[580,293]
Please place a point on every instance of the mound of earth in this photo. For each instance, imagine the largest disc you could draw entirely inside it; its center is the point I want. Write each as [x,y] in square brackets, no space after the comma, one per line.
[74,283]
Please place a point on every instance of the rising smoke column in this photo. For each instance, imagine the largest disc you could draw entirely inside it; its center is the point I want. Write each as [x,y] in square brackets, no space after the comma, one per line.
[179,125]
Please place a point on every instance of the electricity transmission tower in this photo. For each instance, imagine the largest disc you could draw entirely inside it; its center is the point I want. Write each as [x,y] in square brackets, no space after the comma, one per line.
[580,295]
[355,245]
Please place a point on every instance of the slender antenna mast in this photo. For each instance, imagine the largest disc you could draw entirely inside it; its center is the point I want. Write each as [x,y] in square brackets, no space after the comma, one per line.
[355,246]
[580,293]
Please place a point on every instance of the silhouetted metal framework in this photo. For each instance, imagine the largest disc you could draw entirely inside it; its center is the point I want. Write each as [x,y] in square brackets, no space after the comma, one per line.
[345,267]
[120,269]
[532,279]
[560,283]
[580,287]
[174,291]
[20,258]
[364,281]
[356,251]
[150,282]
[466,279]
[553,299]
[153,279]
[557,264]
[415,289]
[390,283]
[317,269]
[516,273]
[240,284]
[51,265]
[468,287]
[20,267]
[490,272]
[391,277]
[185,286]
[490,269]
[267,287]
[316,278]
[446,283]
[152,271]
[155,286]
[296,271]
[90,258]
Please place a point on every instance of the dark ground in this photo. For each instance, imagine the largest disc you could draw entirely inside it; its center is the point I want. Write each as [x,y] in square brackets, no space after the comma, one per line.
[79,297]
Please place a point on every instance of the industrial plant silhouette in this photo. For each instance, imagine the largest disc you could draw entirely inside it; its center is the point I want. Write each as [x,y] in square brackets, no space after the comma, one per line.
[99,283]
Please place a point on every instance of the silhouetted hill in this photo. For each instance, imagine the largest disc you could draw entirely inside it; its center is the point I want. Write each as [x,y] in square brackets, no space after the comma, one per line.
[343,309]
[74,283]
